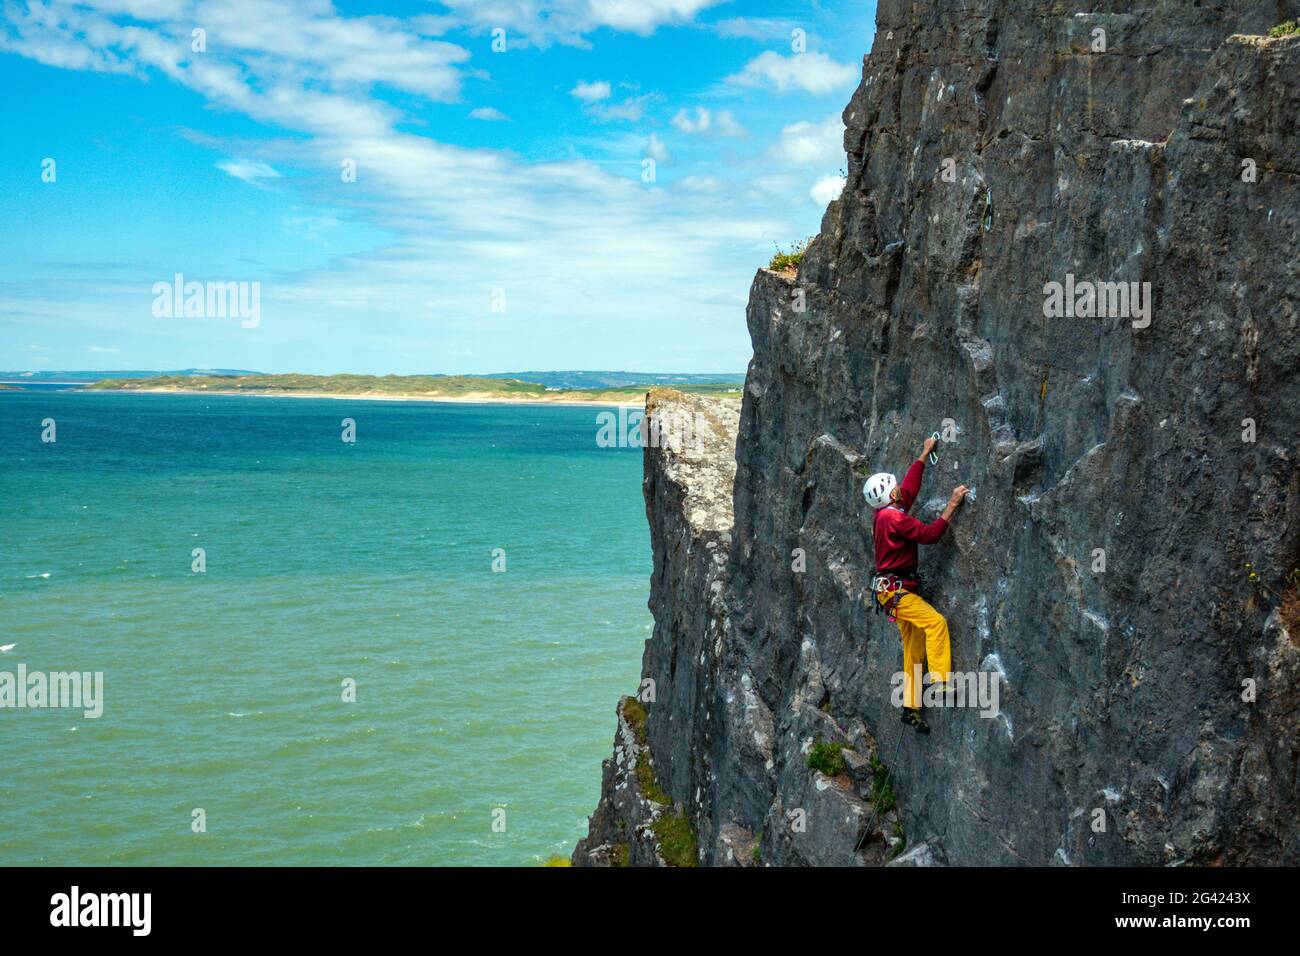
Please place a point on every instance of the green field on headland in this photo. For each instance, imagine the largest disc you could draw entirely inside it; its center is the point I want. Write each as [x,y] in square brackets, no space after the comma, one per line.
[446,387]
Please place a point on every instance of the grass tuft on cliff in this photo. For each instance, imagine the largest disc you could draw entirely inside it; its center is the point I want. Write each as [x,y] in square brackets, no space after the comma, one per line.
[901,836]
[646,780]
[882,788]
[677,842]
[558,861]
[827,758]
[634,713]
[786,261]
[1290,28]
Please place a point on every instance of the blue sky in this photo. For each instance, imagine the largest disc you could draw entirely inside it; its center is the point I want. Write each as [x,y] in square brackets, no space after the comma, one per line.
[499,219]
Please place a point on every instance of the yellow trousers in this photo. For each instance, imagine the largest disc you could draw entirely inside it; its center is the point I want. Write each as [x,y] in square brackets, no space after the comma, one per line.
[925,636]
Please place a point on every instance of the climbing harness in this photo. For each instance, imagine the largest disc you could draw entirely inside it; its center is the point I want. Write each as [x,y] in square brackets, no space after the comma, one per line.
[892,585]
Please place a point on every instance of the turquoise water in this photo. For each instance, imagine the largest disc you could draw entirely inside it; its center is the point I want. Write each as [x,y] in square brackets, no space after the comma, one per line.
[476,690]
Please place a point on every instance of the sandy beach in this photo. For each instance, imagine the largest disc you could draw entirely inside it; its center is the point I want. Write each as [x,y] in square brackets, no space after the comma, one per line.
[468,399]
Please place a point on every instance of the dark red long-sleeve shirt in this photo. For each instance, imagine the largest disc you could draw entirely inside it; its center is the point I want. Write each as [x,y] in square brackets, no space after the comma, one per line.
[896,534]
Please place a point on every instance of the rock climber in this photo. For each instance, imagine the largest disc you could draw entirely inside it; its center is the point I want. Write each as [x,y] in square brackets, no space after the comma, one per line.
[895,585]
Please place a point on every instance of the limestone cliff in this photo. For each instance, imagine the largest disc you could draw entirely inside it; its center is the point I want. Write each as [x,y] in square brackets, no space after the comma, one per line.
[1128,467]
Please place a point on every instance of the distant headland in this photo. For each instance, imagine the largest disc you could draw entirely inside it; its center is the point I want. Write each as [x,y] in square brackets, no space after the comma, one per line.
[574,387]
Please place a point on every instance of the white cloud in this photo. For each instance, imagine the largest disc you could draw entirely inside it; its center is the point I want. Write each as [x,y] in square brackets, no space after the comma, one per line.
[309,224]
[103,348]
[643,16]
[812,144]
[656,150]
[630,110]
[702,184]
[249,170]
[827,189]
[808,72]
[295,43]
[755,28]
[567,21]
[684,122]
[591,92]
[489,113]
[721,123]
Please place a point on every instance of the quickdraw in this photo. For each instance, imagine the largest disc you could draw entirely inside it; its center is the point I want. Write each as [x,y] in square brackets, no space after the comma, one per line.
[892,585]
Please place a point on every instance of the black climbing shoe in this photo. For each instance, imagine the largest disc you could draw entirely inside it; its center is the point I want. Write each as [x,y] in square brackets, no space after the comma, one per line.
[914,720]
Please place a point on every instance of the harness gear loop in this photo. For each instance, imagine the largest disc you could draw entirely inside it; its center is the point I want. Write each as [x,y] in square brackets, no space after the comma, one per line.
[890,584]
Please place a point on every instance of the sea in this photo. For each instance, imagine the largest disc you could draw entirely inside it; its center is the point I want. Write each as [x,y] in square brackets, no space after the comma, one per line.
[400,649]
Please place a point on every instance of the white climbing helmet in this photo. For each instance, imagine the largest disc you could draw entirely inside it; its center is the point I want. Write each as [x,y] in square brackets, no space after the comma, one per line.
[878,488]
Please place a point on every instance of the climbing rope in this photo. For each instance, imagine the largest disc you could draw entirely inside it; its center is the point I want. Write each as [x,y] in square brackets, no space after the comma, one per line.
[875,808]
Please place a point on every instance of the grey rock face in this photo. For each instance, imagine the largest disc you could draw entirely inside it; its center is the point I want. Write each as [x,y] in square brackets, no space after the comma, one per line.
[1128,467]
[923,854]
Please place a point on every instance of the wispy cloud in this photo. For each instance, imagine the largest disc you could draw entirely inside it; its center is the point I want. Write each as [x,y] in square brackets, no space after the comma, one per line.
[489,113]
[810,72]
[827,189]
[755,28]
[657,151]
[630,110]
[591,92]
[249,170]
[705,121]
[812,144]
[568,21]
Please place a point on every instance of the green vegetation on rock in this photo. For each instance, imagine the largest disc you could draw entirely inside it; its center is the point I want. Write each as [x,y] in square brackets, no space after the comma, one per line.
[1289,28]
[901,835]
[646,780]
[882,788]
[677,842]
[827,758]
[634,713]
[784,261]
